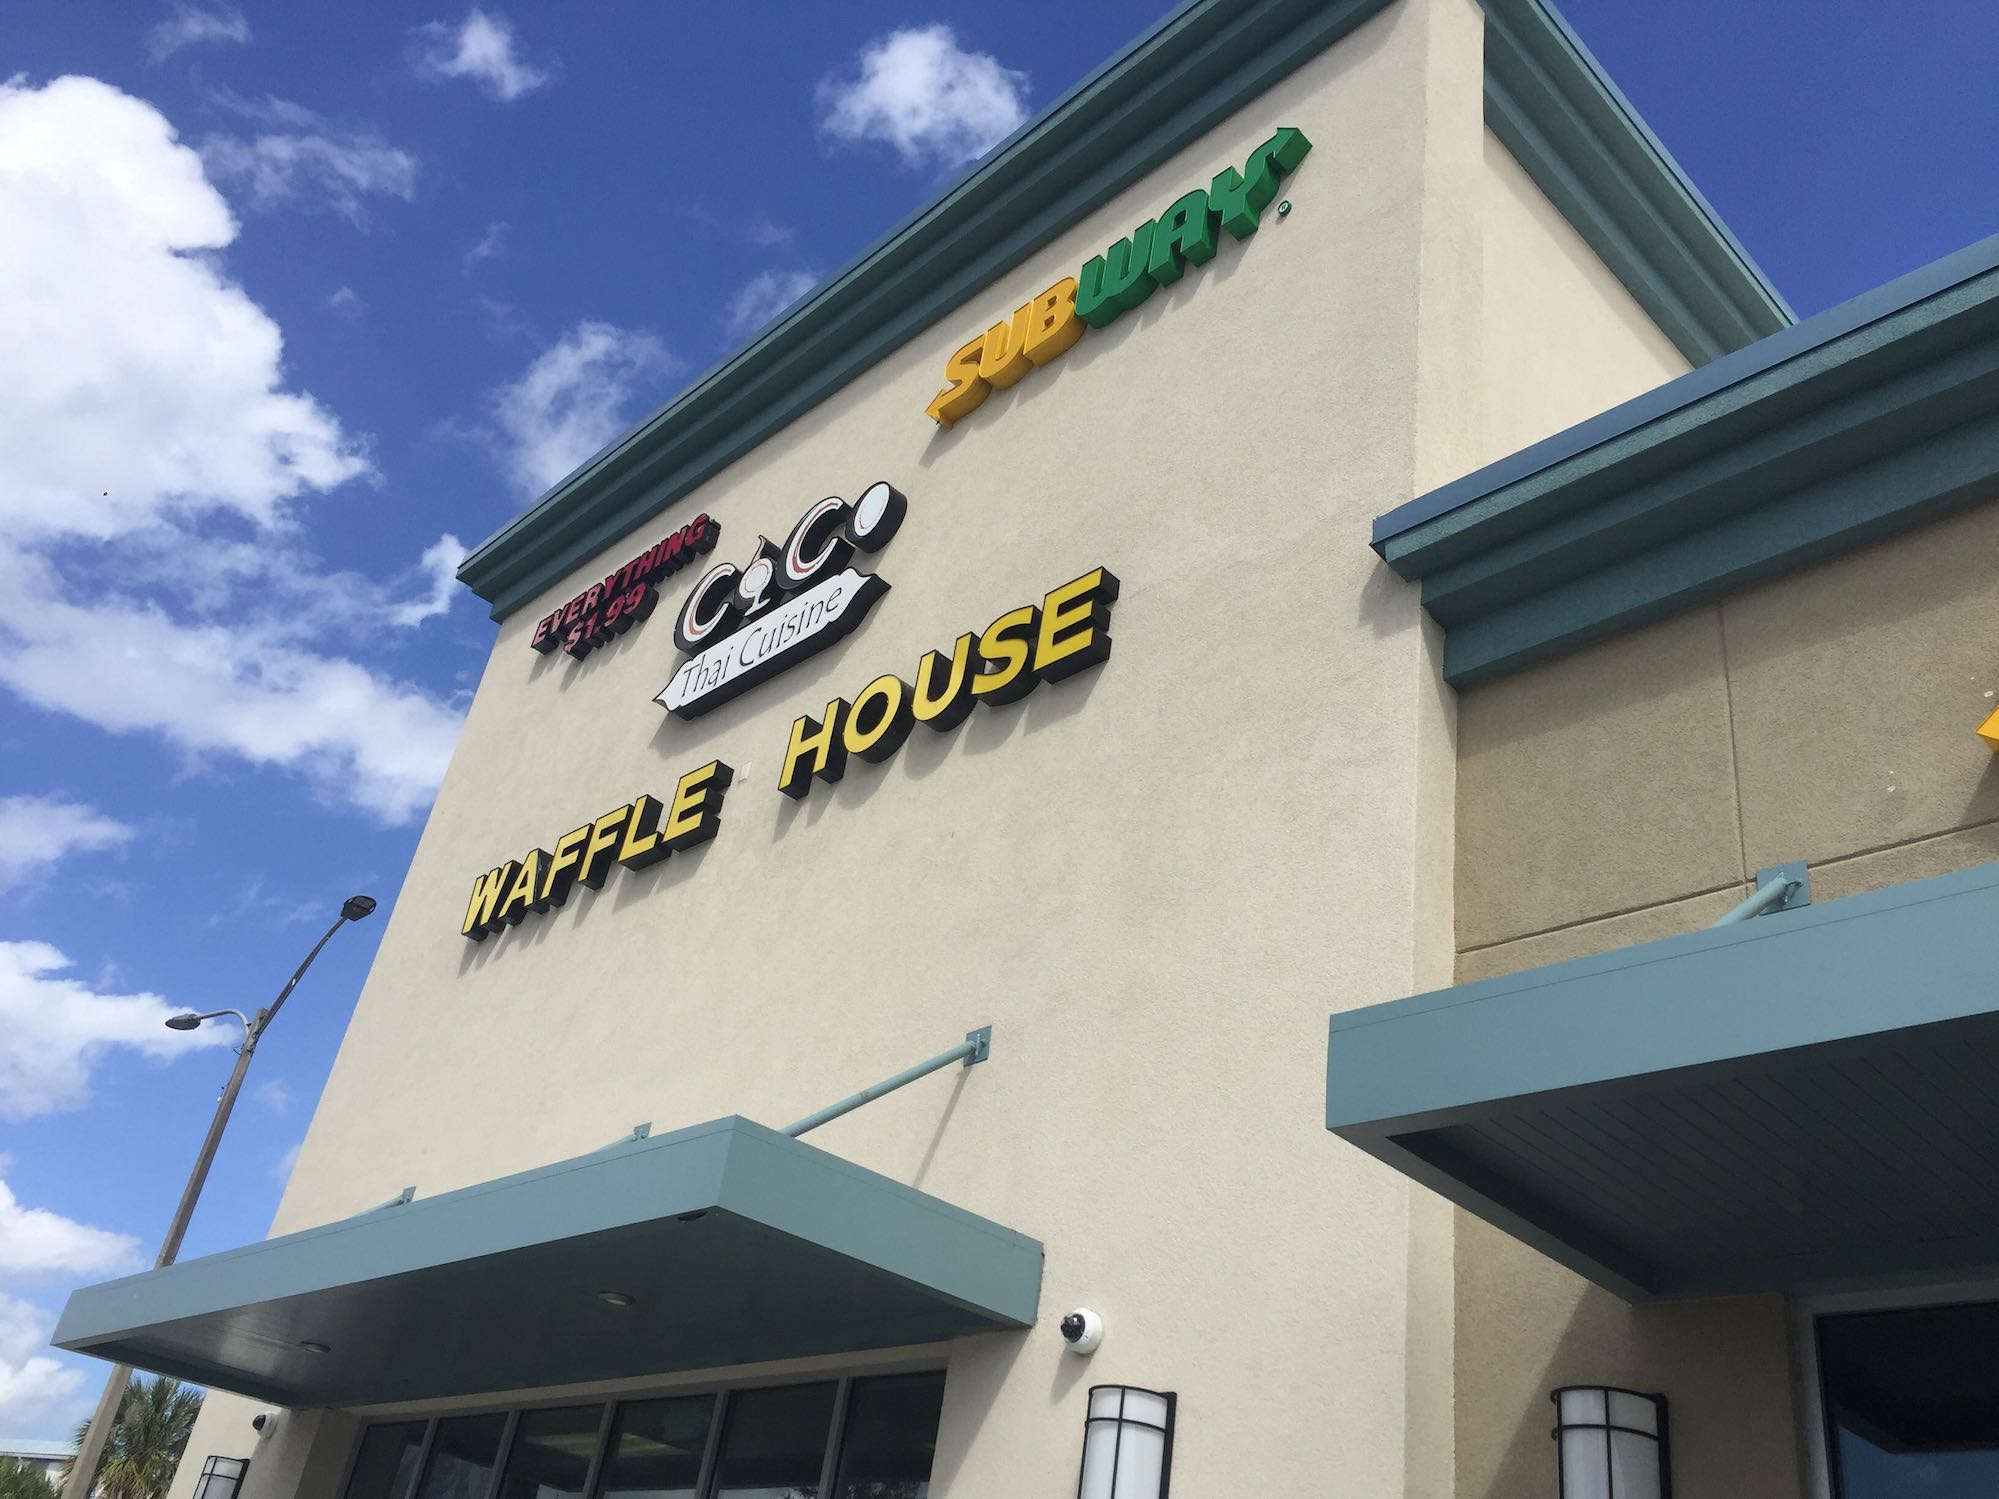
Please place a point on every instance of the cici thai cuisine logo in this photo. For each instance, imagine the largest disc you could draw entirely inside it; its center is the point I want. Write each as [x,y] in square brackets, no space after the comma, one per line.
[743,625]
[1113,283]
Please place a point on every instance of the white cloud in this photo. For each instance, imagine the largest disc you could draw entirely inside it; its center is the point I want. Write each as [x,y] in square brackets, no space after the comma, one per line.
[240,689]
[190,25]
[576,397]
[440,564]
[35,1241]
[36,831]
[284,1165]
[53,1029]
[305,158]
[920,92]
[491,244]
[481,48]
[147,426]
[142,381]
[764,296]
[347,302]
[37,1390]
[762,232]
[273,1095]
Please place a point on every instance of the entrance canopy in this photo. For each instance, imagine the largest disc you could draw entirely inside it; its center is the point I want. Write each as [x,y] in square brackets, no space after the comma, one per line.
[1804,1100]
[733,1243]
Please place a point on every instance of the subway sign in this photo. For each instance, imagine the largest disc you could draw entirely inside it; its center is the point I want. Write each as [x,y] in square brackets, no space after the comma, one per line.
[1153,255]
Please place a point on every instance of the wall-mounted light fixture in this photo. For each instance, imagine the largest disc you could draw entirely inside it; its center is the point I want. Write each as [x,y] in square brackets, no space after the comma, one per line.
[1127,1443]
[221,1477]
[1611,1444]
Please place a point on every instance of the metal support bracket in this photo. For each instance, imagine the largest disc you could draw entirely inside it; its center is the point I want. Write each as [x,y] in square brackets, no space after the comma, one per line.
[1800,880]
[1782,887]
[975,1048]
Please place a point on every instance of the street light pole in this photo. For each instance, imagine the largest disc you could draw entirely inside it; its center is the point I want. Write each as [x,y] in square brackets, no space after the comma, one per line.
[83,1468]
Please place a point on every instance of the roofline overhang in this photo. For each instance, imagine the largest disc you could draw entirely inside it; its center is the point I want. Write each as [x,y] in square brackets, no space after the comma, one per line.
[1859,422]
[1723,1006]
[1575,135]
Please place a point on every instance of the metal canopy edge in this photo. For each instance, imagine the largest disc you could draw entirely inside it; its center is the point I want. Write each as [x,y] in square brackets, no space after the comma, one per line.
[1786,1102]
[736,1244]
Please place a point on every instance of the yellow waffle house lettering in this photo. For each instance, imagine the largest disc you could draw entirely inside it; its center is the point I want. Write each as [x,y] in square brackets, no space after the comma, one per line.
[641,832]
[1067,631]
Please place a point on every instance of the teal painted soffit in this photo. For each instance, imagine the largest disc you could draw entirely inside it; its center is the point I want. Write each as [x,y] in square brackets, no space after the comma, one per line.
[1799,1102]
[1572,131]
[1862,421]
[734,1243]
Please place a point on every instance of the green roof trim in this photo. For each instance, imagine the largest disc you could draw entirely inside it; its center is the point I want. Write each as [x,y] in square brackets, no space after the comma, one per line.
[1572,131]
[1799,1102]
[1862,421]
[1583,144]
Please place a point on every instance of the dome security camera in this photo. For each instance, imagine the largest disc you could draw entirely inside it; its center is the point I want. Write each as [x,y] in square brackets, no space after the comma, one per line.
[265,1422]
[1083,1329]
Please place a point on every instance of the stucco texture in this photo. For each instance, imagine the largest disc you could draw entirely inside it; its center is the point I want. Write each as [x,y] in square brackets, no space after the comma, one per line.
[1630,791]
[1154,880]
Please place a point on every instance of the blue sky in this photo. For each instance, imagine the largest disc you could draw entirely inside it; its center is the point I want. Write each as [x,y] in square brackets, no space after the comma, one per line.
[297,301]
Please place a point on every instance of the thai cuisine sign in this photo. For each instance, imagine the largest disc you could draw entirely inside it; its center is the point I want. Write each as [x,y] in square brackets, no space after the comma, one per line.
[742,626]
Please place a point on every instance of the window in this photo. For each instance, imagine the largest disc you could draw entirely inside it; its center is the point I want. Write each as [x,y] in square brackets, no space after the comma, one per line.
[385,1467]
[550,1454]
[221,1477]
[871,1438]
[891,1437]
[462,1453]
[1911,1401]
[774,1442]
[656,1449]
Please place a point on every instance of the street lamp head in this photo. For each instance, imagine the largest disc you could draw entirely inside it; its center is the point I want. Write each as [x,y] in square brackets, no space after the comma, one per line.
[355,907]
[183,1022]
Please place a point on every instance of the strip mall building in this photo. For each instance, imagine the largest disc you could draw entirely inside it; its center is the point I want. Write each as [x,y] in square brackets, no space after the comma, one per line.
[1324,523]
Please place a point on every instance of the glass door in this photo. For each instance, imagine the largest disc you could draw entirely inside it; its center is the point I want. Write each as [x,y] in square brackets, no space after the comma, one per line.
[1911,1401]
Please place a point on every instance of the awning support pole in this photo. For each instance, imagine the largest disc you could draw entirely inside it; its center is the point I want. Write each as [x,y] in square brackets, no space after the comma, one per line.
[975,1048]
[1785,887]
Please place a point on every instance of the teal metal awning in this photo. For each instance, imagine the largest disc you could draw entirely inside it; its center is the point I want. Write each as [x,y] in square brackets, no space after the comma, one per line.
[1805,1100]
[735,1243]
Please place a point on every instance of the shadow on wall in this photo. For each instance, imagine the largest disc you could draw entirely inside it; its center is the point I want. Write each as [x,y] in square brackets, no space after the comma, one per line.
[924,752]
[980,1366]
[1723,1364]
[621,888]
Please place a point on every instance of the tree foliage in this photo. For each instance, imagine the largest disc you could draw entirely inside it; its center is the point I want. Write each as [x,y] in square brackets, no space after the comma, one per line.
[154,1422]
[19,1480]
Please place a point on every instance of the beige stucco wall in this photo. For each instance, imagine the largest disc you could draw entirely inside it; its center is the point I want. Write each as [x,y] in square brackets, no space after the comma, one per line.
[1566,339]
[1154,880]
[1630,791]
